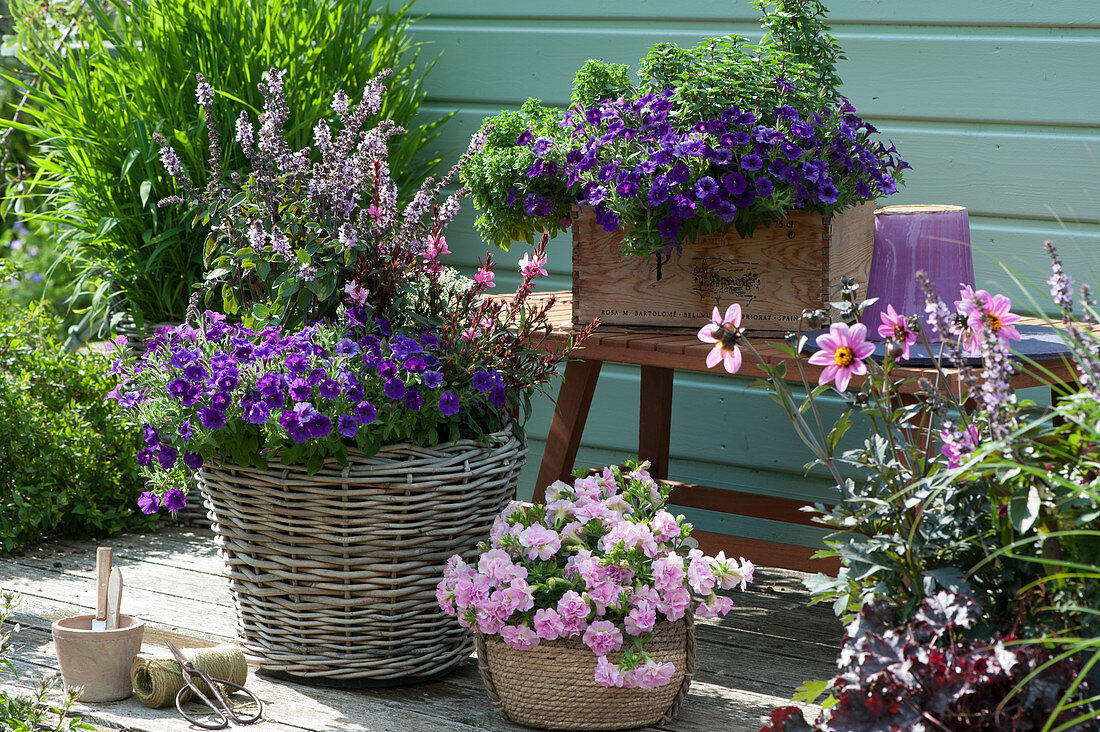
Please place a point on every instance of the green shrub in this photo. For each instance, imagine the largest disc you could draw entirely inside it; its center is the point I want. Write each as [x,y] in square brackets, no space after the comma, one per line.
[68,462]
[131,71]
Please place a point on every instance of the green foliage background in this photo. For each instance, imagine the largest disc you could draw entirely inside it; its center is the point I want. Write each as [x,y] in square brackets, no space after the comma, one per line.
[98,95]
[68,462]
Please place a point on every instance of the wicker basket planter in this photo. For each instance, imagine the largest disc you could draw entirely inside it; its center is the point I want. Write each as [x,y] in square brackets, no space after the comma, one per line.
[551,686]
[333,575]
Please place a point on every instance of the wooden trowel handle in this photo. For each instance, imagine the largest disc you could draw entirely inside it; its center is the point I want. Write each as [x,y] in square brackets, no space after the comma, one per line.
[103,557]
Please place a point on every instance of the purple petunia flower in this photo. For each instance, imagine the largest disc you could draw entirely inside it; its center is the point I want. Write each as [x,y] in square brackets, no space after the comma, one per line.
[183,357]
[316,376]
[192,460]
[751,162]
[296,362]
[365,412]
[166,456]
[221,401]
[657,195]
[726,211]
[542,146]
[150,436]
[827,192]
[329,388]
[185,430]
[764,187]
[148,502]
[669,228]
[145,457]
[300,390]
[683,207]
[524,138]
[347,347]
[413,400]
[254,411]
[353,391]
[174,500]
[482,381]
[228,378]
[802,129]
[211,418]
[627,189]
[705,186]
[497,396]
[735,183]
[595,193]
[394,388]
[433,379]
[195,372]
[347,425]
[415,365]
[679,174]
[448,404]
[607,172]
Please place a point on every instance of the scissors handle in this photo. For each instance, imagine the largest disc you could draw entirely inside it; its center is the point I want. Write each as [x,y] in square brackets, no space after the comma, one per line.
[225,712]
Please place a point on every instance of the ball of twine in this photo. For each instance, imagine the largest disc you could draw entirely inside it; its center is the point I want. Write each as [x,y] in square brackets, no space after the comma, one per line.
[157,678]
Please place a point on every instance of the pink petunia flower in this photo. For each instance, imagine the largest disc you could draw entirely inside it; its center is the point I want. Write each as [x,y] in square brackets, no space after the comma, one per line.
[725,334]
[895,327]
[640,620]
[674,603]
[573,611]
[994,314]
[607,673]
[540,541]
[652,674]
[699,572]
[668,572]
[548,624]
[603,637]
[842,352]
[664,525]
[519,637]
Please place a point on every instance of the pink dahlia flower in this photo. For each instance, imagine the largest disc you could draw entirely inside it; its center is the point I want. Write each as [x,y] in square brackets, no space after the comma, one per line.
[842,352]
[993,313]
[725,333]
[895,327]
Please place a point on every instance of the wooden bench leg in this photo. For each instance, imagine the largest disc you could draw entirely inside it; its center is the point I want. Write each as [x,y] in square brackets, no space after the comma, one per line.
[574,398]
[655,418]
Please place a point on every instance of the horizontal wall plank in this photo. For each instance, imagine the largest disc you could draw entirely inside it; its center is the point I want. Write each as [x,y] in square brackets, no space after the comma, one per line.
[947,12]
[1027,75]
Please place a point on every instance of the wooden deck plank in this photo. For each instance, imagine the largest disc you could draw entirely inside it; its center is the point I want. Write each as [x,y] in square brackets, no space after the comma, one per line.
[748,662]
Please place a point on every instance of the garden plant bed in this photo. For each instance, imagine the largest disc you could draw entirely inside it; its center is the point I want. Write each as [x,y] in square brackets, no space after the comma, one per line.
[749,661]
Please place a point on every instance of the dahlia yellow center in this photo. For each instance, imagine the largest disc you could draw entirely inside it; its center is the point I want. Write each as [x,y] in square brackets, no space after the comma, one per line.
[844,356]
[899,332]
[994,321]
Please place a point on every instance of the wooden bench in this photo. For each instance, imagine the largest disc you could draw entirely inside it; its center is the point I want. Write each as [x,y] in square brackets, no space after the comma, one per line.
[660,353]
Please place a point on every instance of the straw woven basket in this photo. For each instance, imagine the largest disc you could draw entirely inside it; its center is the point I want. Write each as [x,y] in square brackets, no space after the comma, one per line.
[333,575]
[551,686]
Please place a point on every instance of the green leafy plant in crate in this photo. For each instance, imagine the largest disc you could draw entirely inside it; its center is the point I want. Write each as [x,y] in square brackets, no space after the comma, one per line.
[127,73]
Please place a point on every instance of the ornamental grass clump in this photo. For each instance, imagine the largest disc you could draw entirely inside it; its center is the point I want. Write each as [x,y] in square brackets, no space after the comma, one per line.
[601,559]
[722,137]
[353,334]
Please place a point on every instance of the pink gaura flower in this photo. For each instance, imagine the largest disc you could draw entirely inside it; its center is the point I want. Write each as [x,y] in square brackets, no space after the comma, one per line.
[842,352]
[725,333]
[640,620]
[607,673]
[603,637]
[532,266]
[895,327]
[484,278]
[652,674]
[992,313]
[356,294]
[519,637]
[548,624]
[377,213]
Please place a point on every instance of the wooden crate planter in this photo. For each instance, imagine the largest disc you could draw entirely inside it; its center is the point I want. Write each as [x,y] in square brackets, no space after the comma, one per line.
[777,273]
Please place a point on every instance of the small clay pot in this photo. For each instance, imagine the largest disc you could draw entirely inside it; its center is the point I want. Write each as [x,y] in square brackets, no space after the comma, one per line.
[97,660]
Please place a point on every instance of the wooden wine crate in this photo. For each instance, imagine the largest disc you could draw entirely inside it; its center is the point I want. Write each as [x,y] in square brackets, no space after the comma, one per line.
[775,274]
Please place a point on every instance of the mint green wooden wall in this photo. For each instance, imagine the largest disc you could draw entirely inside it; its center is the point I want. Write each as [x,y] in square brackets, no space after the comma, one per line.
[994,102]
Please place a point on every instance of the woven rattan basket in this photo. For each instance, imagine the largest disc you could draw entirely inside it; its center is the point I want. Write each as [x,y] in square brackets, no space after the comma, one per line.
[552,685]
[333,575]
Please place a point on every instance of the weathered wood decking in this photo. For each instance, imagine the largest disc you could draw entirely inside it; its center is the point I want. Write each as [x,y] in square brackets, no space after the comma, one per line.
[748,662]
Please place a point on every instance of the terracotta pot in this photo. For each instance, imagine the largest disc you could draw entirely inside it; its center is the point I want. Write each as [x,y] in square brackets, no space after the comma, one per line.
[97,660]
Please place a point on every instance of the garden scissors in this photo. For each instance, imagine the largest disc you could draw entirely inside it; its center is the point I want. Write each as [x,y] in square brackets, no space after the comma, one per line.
[225,713]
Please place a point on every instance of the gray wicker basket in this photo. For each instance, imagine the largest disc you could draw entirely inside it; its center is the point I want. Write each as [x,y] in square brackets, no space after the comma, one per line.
[333,575]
